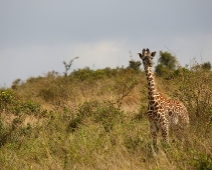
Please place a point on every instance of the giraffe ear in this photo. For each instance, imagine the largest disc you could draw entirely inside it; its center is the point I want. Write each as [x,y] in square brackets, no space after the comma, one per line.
[153,53]
[140,55]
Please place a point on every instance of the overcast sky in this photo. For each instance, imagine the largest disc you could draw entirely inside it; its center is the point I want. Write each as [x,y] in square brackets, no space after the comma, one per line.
[37,36]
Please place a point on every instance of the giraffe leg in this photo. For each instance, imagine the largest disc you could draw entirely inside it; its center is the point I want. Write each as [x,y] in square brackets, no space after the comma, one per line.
[165,132]
[154,131]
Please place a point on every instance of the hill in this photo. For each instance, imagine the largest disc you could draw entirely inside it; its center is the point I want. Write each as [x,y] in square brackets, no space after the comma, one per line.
[96,120]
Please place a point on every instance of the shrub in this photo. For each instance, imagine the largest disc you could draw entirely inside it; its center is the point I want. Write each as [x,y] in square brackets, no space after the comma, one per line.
[99,112]
[206,65]
[135,65]
[202,161]
[162,70]
[31,107]
[167,64]
[195,91]
[9,103]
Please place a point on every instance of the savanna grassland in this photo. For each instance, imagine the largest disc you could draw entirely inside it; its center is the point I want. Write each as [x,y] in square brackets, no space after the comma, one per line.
[95,120]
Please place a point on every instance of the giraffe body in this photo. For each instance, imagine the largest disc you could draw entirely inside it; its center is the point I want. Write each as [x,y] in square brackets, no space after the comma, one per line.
[162,112]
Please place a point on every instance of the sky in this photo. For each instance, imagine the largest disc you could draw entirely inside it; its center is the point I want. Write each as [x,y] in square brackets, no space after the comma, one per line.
[37,36]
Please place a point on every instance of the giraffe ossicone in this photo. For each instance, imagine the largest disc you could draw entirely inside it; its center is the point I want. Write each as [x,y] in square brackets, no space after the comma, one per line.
[162,112]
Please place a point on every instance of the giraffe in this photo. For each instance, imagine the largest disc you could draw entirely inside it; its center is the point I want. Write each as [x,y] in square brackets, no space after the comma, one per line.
[162,112]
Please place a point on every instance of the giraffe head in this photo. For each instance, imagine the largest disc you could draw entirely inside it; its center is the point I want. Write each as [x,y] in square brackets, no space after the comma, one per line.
[147,57]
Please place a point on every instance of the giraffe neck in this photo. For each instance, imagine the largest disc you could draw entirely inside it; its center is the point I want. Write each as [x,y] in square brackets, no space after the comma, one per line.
[152,90]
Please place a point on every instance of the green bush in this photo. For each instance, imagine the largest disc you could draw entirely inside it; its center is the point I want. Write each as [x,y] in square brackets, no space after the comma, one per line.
[31,107]
[135,65]
[202,161]
[9,103]
[162,70]
[108,115]
[167,64]
[104,113]
[88,74]
[206,66]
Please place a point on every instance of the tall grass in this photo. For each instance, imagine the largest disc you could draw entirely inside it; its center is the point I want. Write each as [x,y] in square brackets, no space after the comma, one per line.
[96,120]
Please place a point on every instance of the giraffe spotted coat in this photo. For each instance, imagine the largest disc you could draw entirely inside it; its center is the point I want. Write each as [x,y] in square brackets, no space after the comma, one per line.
[162,112]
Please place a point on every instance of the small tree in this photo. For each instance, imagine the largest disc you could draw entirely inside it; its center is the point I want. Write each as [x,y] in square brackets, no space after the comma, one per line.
[166,64]
[206,65]
[68,66]
[135,65]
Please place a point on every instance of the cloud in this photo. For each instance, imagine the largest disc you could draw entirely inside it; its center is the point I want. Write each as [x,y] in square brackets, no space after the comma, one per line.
[35,60]
[102,54]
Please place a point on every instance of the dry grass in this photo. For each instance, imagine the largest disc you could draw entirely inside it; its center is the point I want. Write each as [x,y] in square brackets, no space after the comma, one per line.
[99,123]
